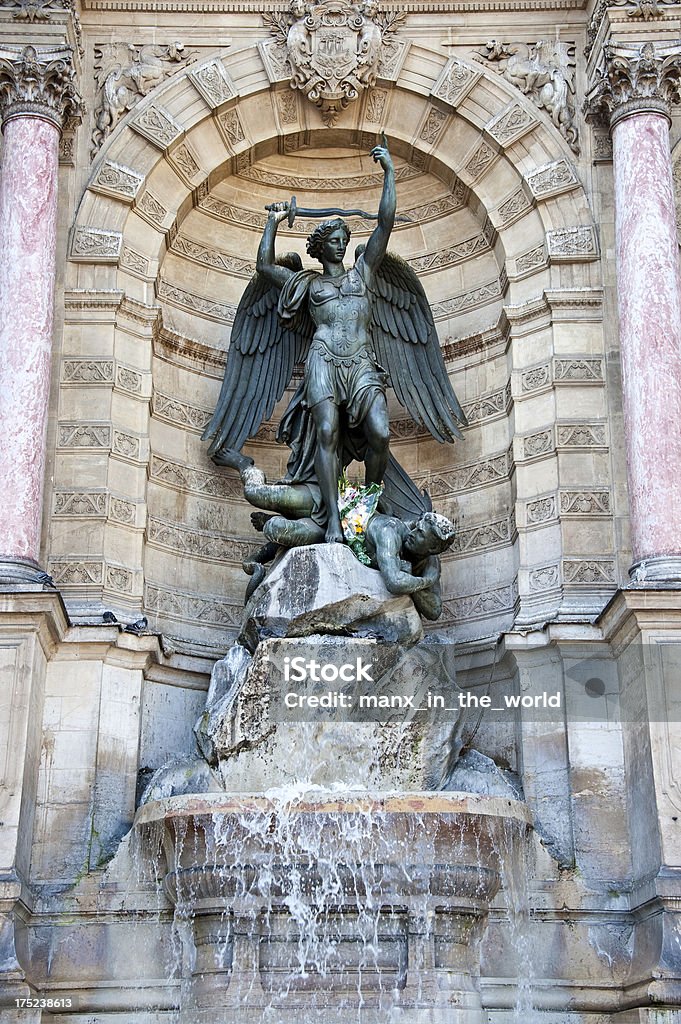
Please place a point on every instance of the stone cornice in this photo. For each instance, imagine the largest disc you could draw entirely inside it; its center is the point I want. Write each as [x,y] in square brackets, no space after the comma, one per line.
[635,78]
[38,82]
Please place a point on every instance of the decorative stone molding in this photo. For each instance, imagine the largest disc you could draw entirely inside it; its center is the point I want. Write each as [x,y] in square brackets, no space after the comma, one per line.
[87,371]
[464,478]
[480,161]
[511,124]
[487,406]
[646,10]
[544,71]
[537,444]
[480,606]
[332,49]
[514,207]
[124,74]
[531,260]
[202,544]
[570,244]
[38,81]
[158,126]
[84,435]
[213,83]
[483,537]
[588,571]
[635,79]
[118,181]
[348,183]
[80,504]
[205,609]
[184,478]
[96,245]
[552,180]
[541,511]
[432,210]
[582,435]
[545,578]
[582,371]
[455,82]
[585,503]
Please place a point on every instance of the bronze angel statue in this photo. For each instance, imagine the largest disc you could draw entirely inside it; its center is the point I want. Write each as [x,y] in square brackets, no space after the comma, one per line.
[355,331]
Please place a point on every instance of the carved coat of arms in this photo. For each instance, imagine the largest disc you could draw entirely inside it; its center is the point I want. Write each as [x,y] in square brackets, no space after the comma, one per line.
[334,49]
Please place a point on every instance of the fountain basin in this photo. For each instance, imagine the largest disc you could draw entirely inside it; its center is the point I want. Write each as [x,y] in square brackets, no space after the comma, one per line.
[354,903]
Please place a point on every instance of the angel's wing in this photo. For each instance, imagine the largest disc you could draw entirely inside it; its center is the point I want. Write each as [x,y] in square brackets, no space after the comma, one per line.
[260,361]
[406,345]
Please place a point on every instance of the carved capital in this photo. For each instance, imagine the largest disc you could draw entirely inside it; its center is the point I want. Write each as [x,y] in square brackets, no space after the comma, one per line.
[635,79]
[38,82]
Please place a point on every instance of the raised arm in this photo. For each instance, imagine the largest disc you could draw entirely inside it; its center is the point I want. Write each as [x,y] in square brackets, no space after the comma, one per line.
[265,262]
[378,243]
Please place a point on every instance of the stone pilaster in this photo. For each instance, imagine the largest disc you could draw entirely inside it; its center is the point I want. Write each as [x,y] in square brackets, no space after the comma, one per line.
[37,91]
[635,89]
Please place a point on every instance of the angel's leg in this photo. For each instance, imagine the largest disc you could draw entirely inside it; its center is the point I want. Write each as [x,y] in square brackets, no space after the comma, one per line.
[326,465]
[377,432]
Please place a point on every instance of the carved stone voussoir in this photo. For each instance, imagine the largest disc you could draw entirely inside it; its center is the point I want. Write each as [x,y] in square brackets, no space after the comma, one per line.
[213,83]
[552,179]
[455,82]
[39,81]
[157,125]
[332,50]
[572,244]
[96,245]
[633,79]
[511,124]
[113,179]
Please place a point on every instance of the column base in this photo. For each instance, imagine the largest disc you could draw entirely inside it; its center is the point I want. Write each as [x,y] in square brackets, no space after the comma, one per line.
[658,569]
[23,574]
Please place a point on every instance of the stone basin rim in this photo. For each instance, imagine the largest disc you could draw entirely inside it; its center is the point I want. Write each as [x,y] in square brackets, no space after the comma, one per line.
[441,804]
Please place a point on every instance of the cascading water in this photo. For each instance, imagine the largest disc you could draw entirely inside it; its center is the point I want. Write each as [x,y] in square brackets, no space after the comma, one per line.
[370,907]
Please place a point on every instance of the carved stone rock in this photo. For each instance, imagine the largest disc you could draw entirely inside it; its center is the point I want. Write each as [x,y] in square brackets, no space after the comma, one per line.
[325,589]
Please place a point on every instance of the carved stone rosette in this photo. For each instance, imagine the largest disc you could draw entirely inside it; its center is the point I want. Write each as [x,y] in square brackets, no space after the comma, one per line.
[635,79]
[38,82]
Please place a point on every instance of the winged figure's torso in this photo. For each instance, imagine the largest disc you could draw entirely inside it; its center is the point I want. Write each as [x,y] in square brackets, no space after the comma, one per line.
[341,310]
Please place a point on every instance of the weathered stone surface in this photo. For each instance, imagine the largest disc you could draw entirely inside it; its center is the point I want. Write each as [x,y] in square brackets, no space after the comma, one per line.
[226,680]
[323,588]
[477,773]
[186,775]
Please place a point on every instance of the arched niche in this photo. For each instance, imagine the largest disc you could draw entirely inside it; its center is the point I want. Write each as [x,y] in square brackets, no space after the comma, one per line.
[166,233]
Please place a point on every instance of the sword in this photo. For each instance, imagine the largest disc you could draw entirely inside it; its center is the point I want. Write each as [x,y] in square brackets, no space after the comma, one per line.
[330,211]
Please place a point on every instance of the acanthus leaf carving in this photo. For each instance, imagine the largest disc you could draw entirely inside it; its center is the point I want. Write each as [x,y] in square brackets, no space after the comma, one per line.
[635,77]
[38,81]
[455,82]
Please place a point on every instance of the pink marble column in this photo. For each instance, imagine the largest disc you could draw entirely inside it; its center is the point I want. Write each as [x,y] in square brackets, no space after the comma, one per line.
[649,299]
[37,91]
[635,87]
[28,228]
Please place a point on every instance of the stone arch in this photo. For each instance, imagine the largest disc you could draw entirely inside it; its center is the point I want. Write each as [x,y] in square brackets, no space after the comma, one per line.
[451,122]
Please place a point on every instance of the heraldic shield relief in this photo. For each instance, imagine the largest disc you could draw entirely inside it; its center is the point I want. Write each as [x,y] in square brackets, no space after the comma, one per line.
[334,49]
